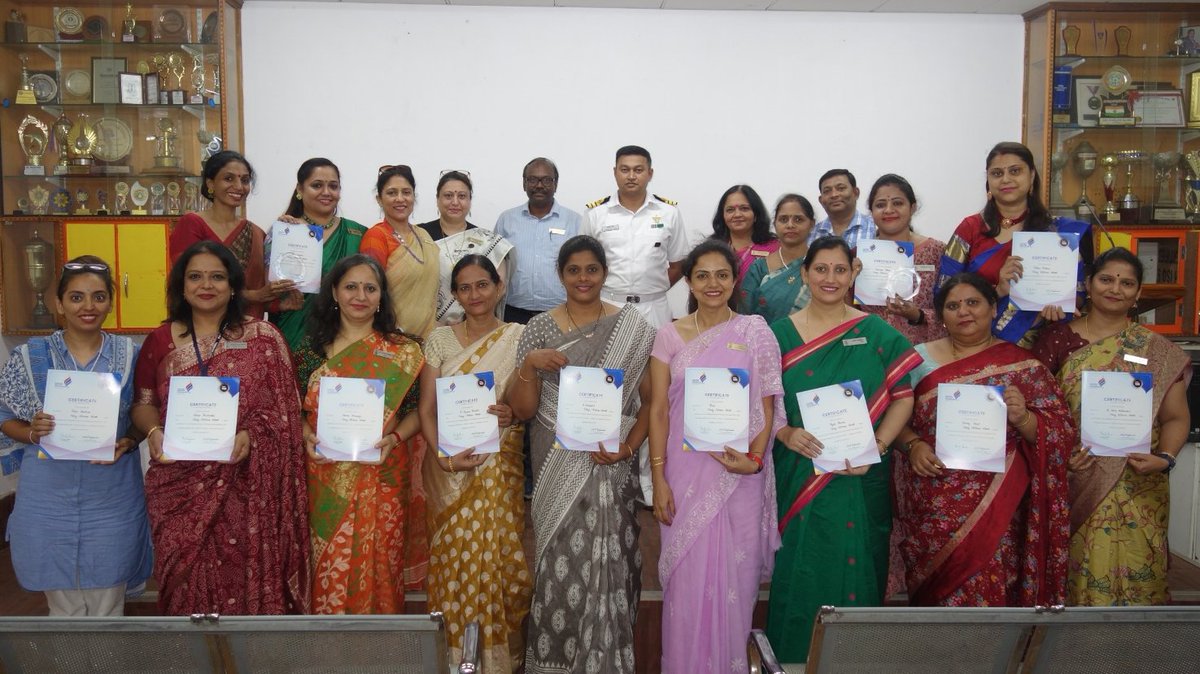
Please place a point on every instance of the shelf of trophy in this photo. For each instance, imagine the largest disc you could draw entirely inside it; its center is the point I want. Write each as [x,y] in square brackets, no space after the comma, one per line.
[28,251]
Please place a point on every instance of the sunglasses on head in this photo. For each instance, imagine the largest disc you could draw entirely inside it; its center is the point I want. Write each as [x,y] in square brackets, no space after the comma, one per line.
[85,266]
[465,173]
[388,167]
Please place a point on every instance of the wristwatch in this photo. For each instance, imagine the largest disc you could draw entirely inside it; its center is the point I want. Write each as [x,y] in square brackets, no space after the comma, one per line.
[1170,461]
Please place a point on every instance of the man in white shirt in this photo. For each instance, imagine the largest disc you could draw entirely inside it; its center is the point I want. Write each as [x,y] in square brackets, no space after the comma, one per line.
[643,238]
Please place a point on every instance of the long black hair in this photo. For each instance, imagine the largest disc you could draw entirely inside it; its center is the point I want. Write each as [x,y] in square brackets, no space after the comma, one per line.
[323,320]
[760,231]
[295,207]
[1039,219]
[178,308]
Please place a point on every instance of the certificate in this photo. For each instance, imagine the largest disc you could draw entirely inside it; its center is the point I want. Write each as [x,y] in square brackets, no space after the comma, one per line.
[350,418]
[972,421]
[463,418]
[201,418]
[1116,411]
[85,406]
[716,409]
[887,270]
[296,255]
[1050,270]
[589,408]
[837,415]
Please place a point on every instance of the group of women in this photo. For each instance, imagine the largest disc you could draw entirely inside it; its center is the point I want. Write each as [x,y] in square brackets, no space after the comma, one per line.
[279,528]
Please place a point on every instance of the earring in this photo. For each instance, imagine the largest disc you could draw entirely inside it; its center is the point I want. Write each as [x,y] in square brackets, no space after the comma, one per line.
[297,196]
[377,309]
[335,307]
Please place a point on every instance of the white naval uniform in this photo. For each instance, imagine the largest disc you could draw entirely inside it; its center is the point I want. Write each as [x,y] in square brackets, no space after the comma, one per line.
[639,245]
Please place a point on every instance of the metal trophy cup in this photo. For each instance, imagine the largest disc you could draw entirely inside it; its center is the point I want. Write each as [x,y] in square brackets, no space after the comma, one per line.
[81,143]
[1058,205]
[1191,201]
[62,131]
[34,137]
[166,155]
[1109,162]
[38,256]
[1130,204]
[1166,207]
[1085,165]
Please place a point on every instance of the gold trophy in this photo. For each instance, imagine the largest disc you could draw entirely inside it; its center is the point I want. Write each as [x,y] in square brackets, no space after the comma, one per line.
[39,199]
[197,78]
[62,131]
[38,256]
[166,155]
[25,95]
[81,143]
[34,136]
[1191,201]
[127,26]
[1070,35]
[1109,162]
[81,198]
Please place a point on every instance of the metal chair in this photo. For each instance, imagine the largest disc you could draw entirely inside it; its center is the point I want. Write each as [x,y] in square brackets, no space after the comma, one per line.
[470,650]
[760,656]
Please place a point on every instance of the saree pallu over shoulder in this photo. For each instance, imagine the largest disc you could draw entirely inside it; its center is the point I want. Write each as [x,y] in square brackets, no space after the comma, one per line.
[342,243]
[413,275]
[477,568]
[231,538]
[358,512]
[992,539]
[587,564]
[834,528]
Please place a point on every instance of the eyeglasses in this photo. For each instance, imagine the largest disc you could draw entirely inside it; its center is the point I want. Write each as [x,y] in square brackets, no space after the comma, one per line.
[85,266]
[388,167]
[466,173]
[535,181]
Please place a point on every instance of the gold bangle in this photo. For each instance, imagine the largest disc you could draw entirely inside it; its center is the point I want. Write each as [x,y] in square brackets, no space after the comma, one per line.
[452,464]
[522,377]
[151,431]
[1024,419]
[657,461]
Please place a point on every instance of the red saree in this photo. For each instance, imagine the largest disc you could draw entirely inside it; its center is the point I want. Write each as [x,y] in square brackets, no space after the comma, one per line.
[231,538]
[246,242]
[991,539]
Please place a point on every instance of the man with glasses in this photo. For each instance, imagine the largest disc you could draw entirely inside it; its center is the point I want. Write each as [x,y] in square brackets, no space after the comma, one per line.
[643,238]
[537,230]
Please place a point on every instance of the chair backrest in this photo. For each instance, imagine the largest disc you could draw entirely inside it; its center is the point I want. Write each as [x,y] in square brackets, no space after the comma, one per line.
[210,644]
[760,655]
[1005,640]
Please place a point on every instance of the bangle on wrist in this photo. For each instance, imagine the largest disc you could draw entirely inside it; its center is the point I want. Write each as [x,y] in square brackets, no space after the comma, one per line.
[1024,419]
[396,433]
[521,376]
[920,318]
[882,446]
[1170,461]
[756,459]
[151,431]
[908,446]
[31,440]
[656,461]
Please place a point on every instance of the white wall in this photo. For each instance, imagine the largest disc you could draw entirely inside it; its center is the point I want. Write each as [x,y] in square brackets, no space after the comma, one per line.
[768,98]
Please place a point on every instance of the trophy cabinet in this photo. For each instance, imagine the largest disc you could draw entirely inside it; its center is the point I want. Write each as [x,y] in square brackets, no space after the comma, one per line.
[1112,115]
[108,111]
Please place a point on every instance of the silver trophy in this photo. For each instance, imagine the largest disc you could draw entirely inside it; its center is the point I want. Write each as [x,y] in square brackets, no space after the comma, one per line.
[1131,205]
[1085,165]
[1058,205]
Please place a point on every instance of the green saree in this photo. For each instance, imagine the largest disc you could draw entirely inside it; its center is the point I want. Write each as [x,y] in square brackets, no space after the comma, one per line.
[343,242]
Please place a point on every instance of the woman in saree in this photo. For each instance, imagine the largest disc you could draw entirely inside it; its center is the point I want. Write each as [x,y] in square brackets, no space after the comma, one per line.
[976,538]
[406,251]
[893,203]
[78,529]
[471,493]
[1119,505]
[412,262]
[835,525]
[587,569]
[455,237]
[982,243]
[742,222]
[230,537]
[773,286]
[717,510]
[226,182]
[315,202]
[358,510]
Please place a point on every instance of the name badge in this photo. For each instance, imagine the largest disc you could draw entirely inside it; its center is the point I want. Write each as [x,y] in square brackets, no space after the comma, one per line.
[557,230]
[382,354]
[735,346]
[235,345]
[925,267]
[1136,359]
[610,228]
[760,253]
[856,341]
[657,225]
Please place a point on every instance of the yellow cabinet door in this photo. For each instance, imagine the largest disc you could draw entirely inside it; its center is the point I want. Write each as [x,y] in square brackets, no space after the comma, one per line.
[93,238]
[142,274]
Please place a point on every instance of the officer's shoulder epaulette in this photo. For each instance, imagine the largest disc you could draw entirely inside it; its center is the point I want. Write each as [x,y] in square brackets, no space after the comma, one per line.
[598,202]
[665,200]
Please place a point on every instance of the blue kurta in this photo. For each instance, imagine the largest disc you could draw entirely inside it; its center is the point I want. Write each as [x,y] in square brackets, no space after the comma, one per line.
[75,525]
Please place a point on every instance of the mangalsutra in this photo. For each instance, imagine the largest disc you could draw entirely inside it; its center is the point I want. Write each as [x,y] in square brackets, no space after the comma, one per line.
[696,325]
[986,342]
[404,243]
[586,335]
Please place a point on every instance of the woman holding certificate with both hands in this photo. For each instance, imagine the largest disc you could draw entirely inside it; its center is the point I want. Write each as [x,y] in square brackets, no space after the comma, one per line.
[717,507]
[358,510]
[587,570]
[835,525]
[78,530]
[1119,505]
[229,536]
[976,537]
[983,243]
[477,567]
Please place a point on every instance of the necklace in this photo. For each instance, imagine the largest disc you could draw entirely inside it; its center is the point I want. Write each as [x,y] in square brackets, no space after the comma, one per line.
[986,342]
[95,358]
[1009,223]
[696,325]
[490,328]
[331,225]
[586,335]
[404,243]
